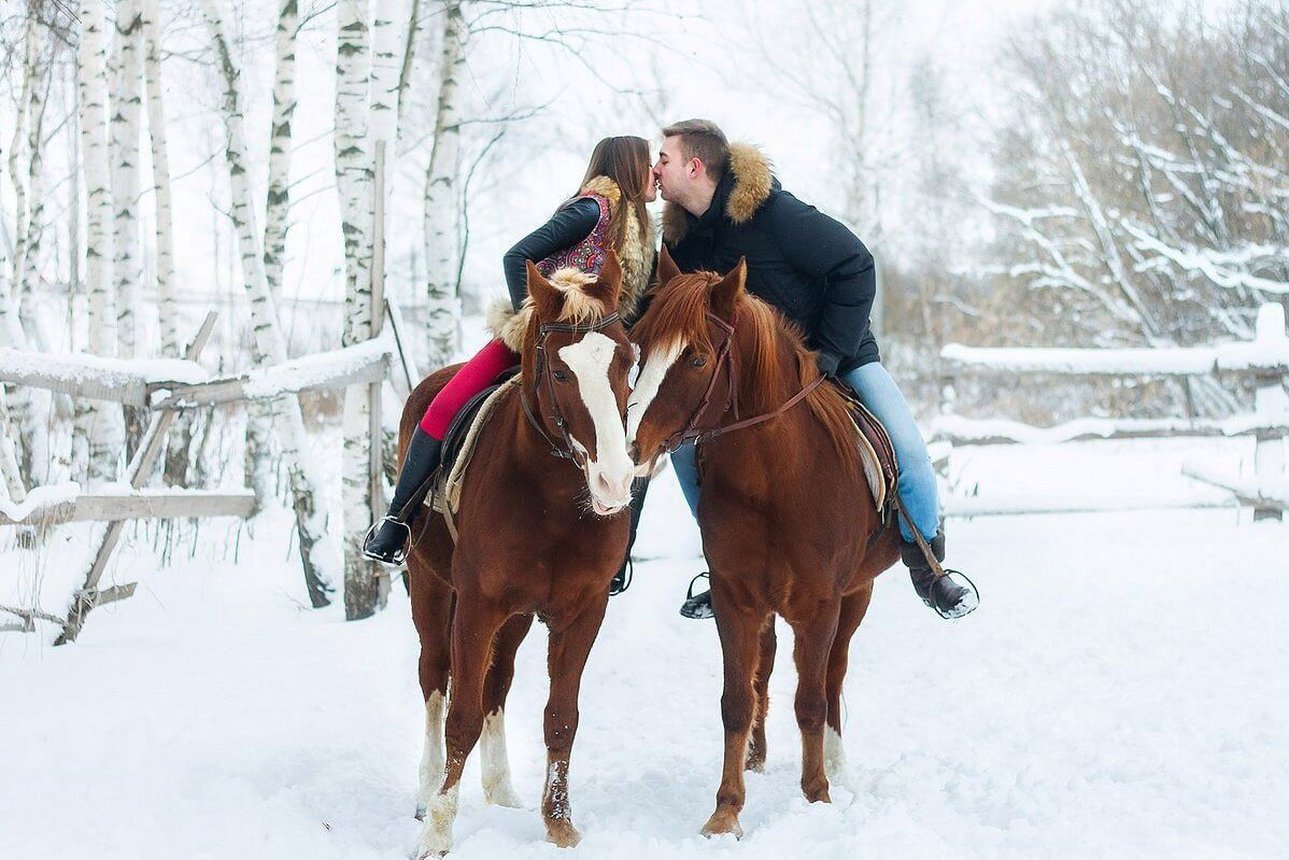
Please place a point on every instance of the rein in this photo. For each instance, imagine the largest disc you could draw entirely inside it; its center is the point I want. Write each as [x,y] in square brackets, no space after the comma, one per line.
[543,371]
[690,431]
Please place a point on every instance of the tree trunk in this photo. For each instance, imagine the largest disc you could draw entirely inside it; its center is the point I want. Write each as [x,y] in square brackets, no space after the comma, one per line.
[354,183]
[98,425]
[441,203]
[166,308]
[269,346]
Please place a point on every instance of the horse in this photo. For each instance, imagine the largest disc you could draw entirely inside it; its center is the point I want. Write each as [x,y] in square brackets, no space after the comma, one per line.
[537,535]
[788,522]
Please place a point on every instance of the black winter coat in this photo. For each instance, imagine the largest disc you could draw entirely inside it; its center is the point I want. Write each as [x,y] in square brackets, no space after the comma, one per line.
[808,265]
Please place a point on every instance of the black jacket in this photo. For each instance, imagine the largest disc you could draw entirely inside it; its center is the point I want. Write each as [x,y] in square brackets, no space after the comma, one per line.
[808,265]
[567,227]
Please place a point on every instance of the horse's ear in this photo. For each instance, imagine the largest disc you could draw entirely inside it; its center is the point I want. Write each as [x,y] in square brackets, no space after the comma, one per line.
[667,268]
[607,289]
[725,294]
[546,299]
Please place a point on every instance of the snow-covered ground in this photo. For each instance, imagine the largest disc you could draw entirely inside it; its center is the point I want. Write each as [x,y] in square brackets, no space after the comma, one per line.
[1120,693]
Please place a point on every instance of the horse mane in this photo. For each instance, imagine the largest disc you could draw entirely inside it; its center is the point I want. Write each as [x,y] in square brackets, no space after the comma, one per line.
[678,312]
[761,332]
[579,308]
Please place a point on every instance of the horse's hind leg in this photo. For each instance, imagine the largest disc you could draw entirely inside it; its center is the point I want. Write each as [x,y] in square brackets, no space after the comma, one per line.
[756,749]
[814,635]
[853,607]
[740,633]
[474,625]
[569,647]
[497,787]
[432,615]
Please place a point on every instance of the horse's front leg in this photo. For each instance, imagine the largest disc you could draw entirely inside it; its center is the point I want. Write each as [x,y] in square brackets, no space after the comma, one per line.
[497,787]
[756,749]
[740,633]
[569,647]
[813,635]
[474,626]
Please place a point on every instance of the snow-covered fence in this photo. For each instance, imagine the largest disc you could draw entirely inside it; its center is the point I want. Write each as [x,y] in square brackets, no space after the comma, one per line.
[1265,359]
[165,387]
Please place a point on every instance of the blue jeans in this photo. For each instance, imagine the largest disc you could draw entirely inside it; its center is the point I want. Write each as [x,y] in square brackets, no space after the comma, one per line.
[878,391]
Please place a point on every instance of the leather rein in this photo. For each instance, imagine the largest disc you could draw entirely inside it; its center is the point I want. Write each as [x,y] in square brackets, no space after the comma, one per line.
[723,360]
[544,373]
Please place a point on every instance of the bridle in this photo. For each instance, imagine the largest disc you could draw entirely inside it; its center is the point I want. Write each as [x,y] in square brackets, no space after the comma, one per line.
[723,360]
[544,373]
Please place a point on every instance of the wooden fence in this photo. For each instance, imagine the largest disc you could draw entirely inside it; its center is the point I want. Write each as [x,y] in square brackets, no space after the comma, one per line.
[1265,360]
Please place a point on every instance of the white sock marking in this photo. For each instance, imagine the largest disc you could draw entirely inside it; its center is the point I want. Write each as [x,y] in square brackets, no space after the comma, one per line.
[497,788]
[433,757]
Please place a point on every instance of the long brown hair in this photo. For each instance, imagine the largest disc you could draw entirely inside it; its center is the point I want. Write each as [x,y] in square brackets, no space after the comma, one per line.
[625,160]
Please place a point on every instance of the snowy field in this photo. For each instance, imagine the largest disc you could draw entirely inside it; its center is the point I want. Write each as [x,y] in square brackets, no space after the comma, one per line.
[1120,693]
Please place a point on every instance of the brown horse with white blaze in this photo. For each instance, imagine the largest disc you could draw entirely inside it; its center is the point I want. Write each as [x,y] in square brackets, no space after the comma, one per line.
[788,521]
[538,535]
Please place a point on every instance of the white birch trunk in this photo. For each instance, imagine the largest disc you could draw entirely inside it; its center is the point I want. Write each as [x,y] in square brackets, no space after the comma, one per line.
[354,183]
[386,88]
[284,102]
[166,309]
[8,456]
[414,16]
[441,203]
[99,428]
[126,112]
[259,467]
[269,344]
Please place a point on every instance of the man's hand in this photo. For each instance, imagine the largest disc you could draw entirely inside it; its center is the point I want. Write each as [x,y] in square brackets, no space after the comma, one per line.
[827,364]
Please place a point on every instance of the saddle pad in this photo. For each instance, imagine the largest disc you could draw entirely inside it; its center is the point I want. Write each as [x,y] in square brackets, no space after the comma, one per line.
[875,450]
[459,445]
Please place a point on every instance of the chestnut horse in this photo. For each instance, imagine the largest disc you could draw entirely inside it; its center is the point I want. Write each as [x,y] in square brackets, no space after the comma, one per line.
[537,535]
[788,521]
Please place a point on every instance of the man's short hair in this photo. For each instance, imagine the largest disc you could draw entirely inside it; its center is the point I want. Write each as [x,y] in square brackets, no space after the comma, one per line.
[704,140]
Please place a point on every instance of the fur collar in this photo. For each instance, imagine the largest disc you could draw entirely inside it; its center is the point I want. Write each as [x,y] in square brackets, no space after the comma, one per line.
[753,180]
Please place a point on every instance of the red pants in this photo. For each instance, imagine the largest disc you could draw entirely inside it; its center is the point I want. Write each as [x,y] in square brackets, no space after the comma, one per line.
[472,378]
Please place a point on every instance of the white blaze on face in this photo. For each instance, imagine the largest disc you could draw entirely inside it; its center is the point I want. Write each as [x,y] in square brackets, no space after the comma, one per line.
[609,476]
[655,370]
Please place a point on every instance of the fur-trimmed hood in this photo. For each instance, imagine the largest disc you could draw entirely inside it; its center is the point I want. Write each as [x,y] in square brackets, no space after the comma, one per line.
[751,181]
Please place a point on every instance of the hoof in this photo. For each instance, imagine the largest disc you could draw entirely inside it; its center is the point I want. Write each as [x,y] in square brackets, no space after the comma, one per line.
[756,764]
[420,813]
[723,823]
[562,833]
[503,795]
[819,795]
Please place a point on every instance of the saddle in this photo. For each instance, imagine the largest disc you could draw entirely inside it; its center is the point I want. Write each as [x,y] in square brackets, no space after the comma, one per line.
[460,440]
[875,451]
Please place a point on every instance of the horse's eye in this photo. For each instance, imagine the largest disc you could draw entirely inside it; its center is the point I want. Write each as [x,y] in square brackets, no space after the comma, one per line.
[560,376]
[698,361]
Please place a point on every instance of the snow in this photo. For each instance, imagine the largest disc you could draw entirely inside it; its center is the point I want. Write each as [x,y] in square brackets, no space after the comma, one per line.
[39,498]
[1117,695]
[318,369]
[108,372]
[1078,361]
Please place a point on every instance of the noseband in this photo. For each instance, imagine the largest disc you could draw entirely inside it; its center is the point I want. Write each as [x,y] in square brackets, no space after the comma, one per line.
[544,373]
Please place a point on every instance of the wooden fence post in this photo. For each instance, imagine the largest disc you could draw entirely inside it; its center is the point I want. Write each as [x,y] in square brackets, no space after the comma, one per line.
[1270,402]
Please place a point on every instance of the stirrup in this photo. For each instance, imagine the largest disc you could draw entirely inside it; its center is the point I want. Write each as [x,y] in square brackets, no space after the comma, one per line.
[628,573]
[971,600]
[685,609]
[396,558]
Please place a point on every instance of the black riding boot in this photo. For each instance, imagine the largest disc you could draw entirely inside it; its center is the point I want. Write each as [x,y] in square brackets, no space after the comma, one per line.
[941,593]
[387,541]
[622,579]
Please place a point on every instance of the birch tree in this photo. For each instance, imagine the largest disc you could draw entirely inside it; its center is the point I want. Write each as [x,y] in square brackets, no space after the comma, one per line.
[354,184]
[316,554]
[127,105]
[441,202]
[167,313]
[100,433]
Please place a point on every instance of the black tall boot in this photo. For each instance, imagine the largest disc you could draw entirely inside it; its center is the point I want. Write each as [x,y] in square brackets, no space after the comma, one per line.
[941,593]
[622,579]
[387,541]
